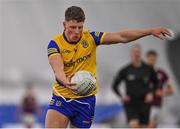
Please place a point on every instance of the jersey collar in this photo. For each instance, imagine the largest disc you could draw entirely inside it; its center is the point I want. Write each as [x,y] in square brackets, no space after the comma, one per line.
[64,36]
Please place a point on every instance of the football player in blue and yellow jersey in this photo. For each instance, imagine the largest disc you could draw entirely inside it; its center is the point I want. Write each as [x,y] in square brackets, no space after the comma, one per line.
[74,50]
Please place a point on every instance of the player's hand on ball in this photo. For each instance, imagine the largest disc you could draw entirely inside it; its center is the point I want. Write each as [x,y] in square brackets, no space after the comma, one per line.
[161,33]
[70,85]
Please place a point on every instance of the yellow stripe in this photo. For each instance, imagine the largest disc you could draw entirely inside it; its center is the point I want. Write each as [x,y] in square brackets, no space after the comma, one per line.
[55,54]
[102,38]
[52,50]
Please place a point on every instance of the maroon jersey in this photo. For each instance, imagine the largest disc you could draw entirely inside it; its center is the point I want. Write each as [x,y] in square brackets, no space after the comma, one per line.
[163,78]
[29,104]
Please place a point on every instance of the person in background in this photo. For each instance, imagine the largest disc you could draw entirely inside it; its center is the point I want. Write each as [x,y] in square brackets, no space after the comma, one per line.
[29,107]
[165,88]
[140,83]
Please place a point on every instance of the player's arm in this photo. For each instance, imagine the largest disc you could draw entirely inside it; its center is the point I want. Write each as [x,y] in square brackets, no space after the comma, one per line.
[169,88]
[57,64]
[131,35]
[116,83]
[154,80]
[115,86]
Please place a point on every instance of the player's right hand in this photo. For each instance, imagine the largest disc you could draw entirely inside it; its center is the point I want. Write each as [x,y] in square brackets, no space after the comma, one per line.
[126,99]
[71,86]
[148,98]
[159,93]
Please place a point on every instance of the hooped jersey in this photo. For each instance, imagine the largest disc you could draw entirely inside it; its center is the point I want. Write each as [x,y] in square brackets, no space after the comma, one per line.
[76,56]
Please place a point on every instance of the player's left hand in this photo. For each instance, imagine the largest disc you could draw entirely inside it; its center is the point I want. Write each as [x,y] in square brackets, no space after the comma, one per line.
[161,33]
[159,93]
[149,98]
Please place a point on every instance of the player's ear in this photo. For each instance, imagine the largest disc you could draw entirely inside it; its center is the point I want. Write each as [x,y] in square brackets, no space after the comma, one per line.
[64,24]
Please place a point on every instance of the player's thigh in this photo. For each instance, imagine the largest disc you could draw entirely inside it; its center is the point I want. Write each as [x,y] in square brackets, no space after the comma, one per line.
[55,119]
[132,115]
[144,114]
[84,112]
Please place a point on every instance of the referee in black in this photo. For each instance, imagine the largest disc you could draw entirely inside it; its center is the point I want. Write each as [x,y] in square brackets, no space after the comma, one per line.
[140,82]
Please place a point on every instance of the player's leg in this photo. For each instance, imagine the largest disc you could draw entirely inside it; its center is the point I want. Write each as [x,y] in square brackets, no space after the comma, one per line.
[144,115]
[132,115]
[55,119]
[154,117]
[84,109]
[59,113]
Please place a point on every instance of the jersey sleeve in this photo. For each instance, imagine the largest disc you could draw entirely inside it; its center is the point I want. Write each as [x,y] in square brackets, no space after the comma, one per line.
[117,80]
[53,49]
[98,37]
[154,80]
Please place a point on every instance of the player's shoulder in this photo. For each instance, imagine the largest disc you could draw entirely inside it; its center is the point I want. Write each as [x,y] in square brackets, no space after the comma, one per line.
[57,37]
[161,71]
[147,65]
[126,67]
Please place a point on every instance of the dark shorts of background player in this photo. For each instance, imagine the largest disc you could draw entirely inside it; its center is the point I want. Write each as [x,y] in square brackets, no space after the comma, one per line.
[138,111]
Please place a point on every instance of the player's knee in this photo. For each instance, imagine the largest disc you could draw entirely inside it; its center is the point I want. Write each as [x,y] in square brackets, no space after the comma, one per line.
[152,124]
[133,123]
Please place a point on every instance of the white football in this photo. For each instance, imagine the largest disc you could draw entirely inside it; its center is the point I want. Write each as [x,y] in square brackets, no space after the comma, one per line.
[172,35]
[85,82]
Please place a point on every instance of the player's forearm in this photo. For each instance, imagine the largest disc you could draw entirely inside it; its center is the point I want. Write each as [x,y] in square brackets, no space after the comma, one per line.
[60,76]
[115,88]
[169,90]
[131,35]
[58,68]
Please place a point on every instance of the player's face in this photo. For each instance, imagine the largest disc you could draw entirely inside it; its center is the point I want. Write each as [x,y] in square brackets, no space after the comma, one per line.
[151,60]
[136,54]
[73,30]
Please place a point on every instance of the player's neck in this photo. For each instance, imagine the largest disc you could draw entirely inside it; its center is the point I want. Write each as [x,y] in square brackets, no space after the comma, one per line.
[137,63]
[68,40]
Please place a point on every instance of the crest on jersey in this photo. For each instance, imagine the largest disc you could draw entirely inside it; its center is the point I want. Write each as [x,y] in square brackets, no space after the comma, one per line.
[85,44]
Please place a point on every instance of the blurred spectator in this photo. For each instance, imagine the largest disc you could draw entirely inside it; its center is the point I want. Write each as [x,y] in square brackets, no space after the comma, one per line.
[29,107]
[164,88]
[140,82]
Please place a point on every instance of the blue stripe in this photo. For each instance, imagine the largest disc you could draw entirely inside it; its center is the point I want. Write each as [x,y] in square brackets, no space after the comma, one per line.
[96,38]
[53,44]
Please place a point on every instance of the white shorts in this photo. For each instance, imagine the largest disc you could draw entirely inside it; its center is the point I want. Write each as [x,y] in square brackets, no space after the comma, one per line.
[28,118]
[156,114]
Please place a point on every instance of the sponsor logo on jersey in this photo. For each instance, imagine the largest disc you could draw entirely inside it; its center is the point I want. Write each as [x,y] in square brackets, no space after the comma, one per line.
[79,60]
[66,51]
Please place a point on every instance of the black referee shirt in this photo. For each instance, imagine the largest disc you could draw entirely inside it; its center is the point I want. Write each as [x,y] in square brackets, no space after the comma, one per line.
[138,80]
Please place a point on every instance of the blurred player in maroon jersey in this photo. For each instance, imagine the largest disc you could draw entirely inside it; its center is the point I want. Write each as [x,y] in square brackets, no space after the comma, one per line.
[29,107]
[165,89]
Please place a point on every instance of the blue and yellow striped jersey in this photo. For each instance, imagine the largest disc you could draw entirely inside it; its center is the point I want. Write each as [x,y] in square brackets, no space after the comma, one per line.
[76,56]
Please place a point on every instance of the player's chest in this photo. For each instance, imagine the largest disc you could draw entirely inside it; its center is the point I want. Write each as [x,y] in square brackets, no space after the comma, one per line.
[138,75]
[71,52]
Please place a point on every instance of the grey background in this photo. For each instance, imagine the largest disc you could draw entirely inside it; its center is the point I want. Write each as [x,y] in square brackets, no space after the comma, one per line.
[27,26]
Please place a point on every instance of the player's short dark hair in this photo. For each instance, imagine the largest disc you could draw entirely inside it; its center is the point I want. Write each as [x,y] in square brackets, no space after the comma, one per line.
[74,13]
[151,53]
